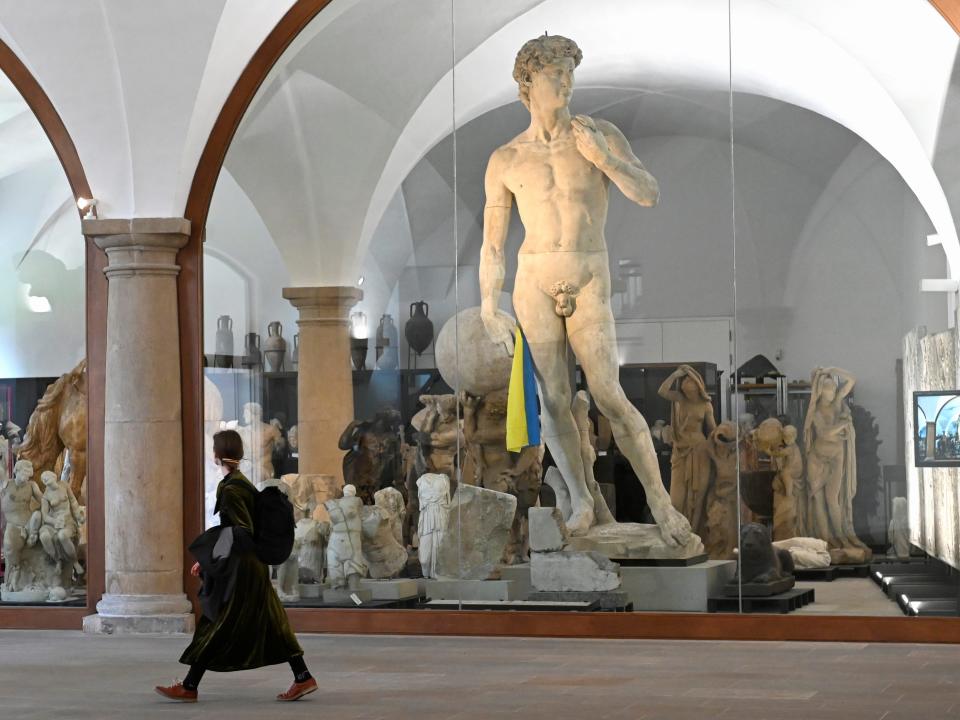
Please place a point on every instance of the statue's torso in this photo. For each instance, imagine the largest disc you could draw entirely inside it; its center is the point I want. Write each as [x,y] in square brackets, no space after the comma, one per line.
[561,196]
[59,515]
[15,500]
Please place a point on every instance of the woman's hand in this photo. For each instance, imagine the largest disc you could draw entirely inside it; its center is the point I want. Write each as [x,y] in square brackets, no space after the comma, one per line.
[195,570]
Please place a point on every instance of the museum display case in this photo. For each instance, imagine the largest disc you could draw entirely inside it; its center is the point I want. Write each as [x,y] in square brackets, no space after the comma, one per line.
[730,273]
[43,371]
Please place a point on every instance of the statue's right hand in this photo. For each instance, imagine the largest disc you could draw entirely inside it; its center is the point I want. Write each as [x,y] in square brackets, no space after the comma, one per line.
[499,330]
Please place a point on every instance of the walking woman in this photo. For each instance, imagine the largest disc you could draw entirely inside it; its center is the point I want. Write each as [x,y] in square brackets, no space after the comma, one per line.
[243,626]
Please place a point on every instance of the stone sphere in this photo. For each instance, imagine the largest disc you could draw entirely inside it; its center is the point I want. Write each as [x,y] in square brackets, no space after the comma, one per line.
[57,594]
[481,366]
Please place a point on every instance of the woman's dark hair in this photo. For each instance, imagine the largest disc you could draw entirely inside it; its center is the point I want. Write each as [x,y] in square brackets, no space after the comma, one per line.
[228,447]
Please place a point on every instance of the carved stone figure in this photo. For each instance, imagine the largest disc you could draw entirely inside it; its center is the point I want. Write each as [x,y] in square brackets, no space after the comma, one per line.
[373,459]
[391,500]
[488,463]
[383,553]
[310,538]
[59,423]
[832,465]
[61,517]
[434,496]
[788,520]
[691,412]
[20,499]
[345,564]
[900,529]
[438,434]
[559,171]
[807,553]
[721,536]
[762,568]
[259,438]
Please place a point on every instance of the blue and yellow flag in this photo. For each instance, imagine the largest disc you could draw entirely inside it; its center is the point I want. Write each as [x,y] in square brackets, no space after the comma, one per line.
[523,420]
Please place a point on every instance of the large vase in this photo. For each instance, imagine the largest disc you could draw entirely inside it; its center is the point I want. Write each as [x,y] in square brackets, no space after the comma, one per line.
[252,358]
[388,341]
[223,357]
[419,328]
[275,347]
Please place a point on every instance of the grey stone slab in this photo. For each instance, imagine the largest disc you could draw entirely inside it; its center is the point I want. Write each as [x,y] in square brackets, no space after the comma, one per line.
[336,596]
[519,575]
[471,590]
[547,530]
[399,589]
[579,571]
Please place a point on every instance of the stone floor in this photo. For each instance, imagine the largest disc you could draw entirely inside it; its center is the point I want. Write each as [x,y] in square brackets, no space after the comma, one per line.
[68,675]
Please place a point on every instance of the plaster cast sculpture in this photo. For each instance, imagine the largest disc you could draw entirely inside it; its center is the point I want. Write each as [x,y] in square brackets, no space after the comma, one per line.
[807,553]
[345,564]
[384,555]
[832,465]
[900,529]
[434,497]
[391,500]
[373,459]
[259,438]
[558,170]
[789,514]
[5,459]
[721,448]
[478,529]
[20,499]
[212,473]
[61,517]
[439,436]
[488,463]
[57,424]
[691,412]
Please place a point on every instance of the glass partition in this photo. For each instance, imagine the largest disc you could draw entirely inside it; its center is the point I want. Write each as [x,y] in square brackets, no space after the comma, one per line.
[844,226]
[626,316]
[43,389]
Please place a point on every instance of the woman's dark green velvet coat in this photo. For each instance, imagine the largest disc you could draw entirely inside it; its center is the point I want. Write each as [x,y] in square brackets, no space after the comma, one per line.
[252,629]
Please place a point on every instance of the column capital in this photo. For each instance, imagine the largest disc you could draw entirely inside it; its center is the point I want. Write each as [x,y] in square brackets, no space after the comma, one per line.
[139,246]
[327,305]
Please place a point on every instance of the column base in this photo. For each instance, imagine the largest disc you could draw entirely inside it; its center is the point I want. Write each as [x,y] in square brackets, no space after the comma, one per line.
[141,615]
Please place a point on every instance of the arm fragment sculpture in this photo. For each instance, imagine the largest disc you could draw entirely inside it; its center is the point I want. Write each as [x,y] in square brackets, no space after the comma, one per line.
[559,170]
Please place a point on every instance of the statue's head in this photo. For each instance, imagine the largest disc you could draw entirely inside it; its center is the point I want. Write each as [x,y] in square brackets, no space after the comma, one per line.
[48,478]
[789,435]
[349,491]
[252,412]
[827,389]
[544,70]
[22,471]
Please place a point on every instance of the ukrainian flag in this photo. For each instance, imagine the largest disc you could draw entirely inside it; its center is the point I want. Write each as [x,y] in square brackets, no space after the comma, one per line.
[523,421]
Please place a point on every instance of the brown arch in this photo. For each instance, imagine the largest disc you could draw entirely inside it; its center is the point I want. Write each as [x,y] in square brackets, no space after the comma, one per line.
[641,625]
[96,322]
[37,100]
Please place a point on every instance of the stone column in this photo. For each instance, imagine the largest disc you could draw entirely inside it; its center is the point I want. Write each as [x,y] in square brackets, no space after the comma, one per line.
[143,453]
[325,379]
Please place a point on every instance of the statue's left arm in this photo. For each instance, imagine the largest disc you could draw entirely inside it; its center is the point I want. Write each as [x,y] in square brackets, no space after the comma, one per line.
[604,145]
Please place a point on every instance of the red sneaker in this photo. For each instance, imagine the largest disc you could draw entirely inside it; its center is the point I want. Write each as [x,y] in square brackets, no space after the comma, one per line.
[298,690]
[177,692]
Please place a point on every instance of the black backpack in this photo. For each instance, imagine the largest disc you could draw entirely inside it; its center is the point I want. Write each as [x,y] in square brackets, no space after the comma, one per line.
[273,526]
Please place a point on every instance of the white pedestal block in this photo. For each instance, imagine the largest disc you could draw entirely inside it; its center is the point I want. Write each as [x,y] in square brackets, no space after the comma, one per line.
[676,589]
[471,590]
[399,589]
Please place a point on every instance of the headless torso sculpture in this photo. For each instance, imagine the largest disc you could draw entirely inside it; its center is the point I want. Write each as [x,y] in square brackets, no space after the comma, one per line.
[559,171]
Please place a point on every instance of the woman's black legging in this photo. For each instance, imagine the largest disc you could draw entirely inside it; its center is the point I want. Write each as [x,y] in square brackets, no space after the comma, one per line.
[297,665]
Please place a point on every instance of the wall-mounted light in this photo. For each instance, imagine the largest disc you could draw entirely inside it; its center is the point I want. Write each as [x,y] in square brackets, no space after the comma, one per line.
[939,285]
[88,206]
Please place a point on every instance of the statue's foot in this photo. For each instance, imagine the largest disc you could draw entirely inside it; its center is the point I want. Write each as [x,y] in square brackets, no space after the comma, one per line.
[581,521]
[674,527]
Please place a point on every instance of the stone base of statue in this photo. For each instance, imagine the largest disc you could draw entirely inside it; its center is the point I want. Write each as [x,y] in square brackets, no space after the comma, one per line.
[471,590]
[610,601]
[759,589]
[398,589]
[677,588]
[32,594]
[141,615]
[633,540]
[850,556]
[42,579]
[310,591]
[340,596]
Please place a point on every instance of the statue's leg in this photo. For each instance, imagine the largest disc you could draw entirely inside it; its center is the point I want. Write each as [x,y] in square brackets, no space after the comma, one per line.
[594,340]
[47,538]
[834,502]
[546,337]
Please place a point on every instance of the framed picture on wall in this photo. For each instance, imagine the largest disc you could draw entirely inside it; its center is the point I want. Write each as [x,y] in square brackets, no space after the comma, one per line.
[936,423]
